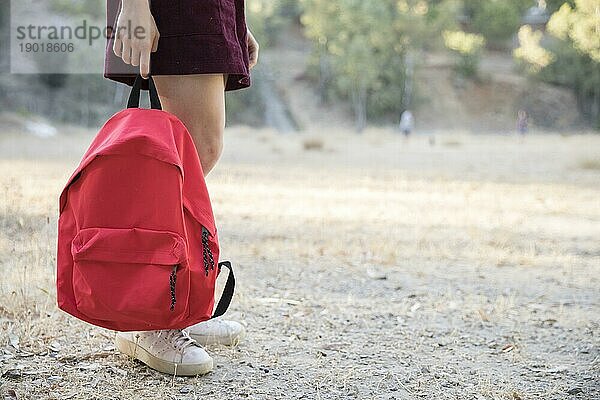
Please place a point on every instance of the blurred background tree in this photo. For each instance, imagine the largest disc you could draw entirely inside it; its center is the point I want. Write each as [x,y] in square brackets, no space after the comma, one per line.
[572,57]
[365,52]
[497,20]
[89,8]
[4,44]
[467,47]
[553,5]
[367,55]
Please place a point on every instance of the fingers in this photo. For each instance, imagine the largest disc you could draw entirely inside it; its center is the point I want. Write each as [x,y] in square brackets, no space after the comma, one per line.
[253,56]
[145,64]
[252,50]
[135,56]
[118,47]
[136,53]
[155,42]
[126,54]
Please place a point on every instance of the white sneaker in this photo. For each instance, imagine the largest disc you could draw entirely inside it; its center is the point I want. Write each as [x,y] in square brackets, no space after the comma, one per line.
[217,331]
[170,351]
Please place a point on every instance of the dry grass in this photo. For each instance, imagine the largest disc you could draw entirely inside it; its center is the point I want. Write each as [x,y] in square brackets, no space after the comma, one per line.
[451,143]
[313,144]
[591,164]
[386,269]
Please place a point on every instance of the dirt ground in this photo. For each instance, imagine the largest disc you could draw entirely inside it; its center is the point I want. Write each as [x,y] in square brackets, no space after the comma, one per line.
[449,266]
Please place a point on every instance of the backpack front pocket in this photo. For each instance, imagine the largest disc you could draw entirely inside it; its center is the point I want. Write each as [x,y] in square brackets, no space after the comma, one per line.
[131,274]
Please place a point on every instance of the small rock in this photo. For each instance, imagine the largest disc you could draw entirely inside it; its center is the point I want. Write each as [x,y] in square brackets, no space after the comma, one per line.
[13,373]
[558,369]
[186,389]
[55,347]
[88,366]
[118,370]
[10,395]
[376,274]
[575,390]
[14,341]
[414,308]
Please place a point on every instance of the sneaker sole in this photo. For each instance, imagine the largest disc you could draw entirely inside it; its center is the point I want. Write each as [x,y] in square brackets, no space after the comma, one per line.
[209,340]
[131,349]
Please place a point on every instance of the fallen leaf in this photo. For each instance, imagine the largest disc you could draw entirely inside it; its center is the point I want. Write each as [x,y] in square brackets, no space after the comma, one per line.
[484,317]
[507,348]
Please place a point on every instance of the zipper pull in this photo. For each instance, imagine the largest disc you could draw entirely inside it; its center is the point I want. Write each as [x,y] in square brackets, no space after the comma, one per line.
[172,282]
[209,262]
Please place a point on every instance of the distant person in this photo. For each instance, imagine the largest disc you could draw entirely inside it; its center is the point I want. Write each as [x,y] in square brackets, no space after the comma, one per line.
[407,123]
[522,122]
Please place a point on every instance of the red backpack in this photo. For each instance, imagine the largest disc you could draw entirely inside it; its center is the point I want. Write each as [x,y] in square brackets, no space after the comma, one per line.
[137,242]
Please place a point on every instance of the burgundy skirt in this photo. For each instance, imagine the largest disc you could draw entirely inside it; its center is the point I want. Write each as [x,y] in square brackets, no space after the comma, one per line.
[196,37]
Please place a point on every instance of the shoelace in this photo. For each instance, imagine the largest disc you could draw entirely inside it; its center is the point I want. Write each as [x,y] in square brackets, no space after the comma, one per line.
[180,339]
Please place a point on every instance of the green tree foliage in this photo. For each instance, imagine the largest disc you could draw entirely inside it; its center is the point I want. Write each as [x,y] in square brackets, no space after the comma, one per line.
[92,8]
[363,50]
[4,34]
[473,7]
[267,18]
[579,25]
[530,52]
[575,53]
[496,20]
[467,46]
[553,5]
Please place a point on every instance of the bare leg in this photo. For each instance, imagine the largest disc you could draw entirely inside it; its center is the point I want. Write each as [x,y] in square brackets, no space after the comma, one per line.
[199,102]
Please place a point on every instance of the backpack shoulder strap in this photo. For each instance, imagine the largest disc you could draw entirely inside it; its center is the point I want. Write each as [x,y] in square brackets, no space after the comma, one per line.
[227,295]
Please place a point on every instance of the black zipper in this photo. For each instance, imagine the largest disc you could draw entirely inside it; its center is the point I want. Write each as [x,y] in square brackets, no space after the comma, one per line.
[209,265]
[172,282]
[209,262]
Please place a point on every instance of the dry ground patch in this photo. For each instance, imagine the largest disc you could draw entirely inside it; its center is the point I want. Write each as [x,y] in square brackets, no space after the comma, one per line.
[368,268]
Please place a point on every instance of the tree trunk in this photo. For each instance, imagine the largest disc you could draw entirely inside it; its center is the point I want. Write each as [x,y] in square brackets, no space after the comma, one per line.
[359,102]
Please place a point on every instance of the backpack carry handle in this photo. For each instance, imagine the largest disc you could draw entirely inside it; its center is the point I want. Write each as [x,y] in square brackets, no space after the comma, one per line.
[134,96]
[228,290]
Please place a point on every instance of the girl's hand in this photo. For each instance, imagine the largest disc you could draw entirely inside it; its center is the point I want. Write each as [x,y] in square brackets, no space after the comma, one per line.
[136,35]
[252,49]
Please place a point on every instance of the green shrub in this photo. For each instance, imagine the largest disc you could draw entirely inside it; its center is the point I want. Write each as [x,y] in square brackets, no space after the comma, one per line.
[497,21]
